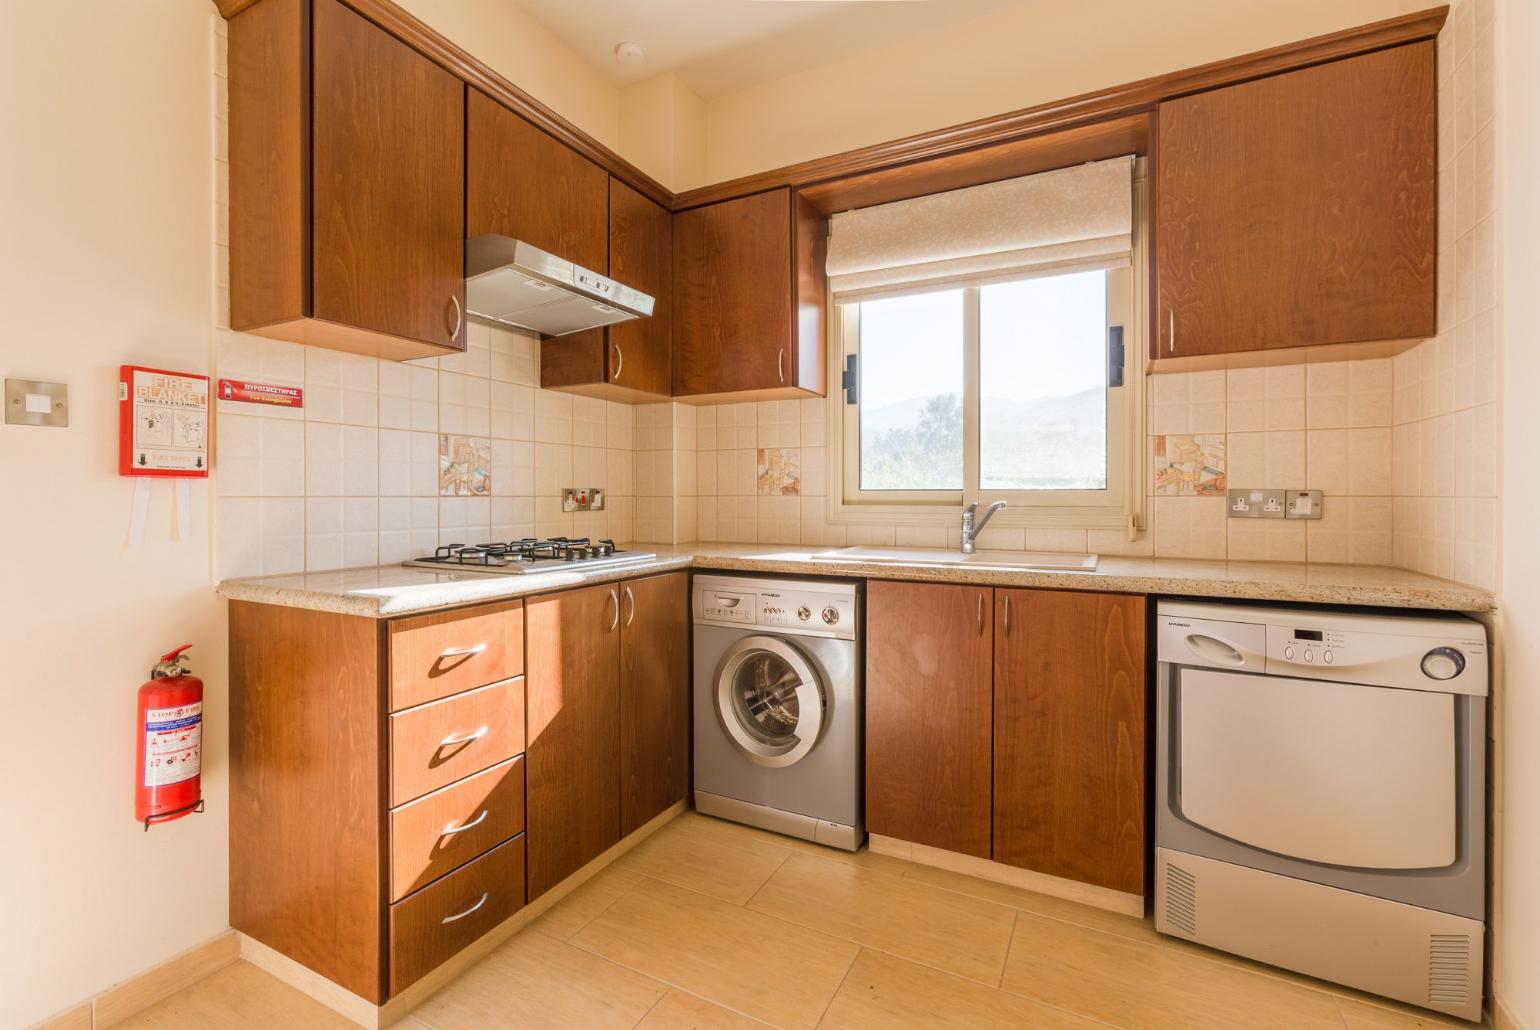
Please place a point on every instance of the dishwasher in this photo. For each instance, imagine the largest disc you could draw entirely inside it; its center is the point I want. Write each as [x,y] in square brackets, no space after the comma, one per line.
[1321,794]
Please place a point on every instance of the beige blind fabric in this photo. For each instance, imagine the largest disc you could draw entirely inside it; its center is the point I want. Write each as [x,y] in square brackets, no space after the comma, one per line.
[1080,217]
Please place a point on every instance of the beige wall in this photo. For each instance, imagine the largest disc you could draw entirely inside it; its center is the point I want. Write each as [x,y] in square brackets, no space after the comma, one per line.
[107,114]
[662,130]
[998,63]
[1518,977]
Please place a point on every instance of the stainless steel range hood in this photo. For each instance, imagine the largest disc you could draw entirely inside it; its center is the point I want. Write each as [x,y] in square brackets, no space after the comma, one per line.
[512,282]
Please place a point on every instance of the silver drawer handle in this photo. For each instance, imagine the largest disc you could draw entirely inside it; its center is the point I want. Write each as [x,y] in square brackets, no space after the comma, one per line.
[780,365]
[451,830]
[483,900]
[615,600]
[452,740]
[457,652]
[1171,320]
[620,361]
[454,333]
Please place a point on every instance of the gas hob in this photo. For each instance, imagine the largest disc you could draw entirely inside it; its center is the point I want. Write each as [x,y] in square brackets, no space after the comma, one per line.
[521,557]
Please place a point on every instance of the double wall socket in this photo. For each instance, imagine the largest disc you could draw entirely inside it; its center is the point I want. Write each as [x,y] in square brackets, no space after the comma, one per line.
[1273,504]
[582,498]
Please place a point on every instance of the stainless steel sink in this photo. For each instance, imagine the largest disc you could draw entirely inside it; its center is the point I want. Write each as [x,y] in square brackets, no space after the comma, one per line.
[1027,561]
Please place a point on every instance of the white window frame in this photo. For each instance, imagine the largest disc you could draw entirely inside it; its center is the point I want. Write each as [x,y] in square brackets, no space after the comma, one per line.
[1120,506]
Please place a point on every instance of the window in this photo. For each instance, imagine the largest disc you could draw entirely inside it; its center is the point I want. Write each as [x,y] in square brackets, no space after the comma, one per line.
[1019,390]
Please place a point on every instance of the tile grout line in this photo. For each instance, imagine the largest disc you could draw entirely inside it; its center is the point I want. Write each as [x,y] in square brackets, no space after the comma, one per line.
[839,987]
[1010,942]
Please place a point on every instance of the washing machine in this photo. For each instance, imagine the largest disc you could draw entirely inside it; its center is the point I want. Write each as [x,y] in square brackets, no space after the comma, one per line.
[777,705]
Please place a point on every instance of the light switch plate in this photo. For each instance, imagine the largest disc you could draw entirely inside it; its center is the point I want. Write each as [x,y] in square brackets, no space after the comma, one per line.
[582,498]
[1304,504]
[29,402]
[1255,504]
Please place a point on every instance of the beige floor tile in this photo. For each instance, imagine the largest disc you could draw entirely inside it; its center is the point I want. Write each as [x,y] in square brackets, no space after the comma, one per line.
[884,991]
[1131,983]
[538,981]
[766,967]
[694,854]
[1390,1016]
[573,912]
[681,1011]
[865,857]
[238,997]
[1031,901]
[942,929]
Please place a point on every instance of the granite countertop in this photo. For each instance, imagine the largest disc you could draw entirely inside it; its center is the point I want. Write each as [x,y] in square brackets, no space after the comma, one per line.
[391,590]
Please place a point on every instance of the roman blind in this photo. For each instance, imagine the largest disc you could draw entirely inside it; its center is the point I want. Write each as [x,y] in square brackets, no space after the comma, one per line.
[1080,217]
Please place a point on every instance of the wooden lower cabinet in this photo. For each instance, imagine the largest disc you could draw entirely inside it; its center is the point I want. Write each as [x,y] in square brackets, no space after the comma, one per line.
[1069,735]
[1009,725]
[928,709]
[654,697]
[608,686]
[574,731]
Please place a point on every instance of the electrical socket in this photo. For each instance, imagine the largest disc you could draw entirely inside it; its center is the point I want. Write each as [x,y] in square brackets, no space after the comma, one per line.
[1255,504]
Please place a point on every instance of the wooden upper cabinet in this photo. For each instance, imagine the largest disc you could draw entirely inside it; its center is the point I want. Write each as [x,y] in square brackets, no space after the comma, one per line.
[749,298]
[1298,209]
[928,714]
[630,361]
[347,184]
[573,756]
[1069,708]
[654,697]
[524,184]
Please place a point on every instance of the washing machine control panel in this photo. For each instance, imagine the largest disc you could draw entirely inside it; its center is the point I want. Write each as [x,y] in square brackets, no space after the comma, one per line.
[785,606]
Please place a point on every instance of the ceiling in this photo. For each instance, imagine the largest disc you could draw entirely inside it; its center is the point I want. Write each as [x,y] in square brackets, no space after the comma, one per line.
[719,46]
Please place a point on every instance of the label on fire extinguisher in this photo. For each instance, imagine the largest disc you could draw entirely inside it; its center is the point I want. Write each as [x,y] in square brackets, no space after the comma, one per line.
[173,744]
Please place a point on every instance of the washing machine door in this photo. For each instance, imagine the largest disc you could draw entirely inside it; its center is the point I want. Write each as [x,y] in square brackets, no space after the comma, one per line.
[770,700]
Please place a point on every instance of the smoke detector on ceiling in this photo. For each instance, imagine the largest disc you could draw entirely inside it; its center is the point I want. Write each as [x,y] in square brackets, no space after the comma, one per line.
[629,54]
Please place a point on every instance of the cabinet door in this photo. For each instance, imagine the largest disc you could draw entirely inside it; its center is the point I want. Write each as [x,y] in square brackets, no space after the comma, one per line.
[388,186]
[732,283]
[524,184]
[654,697]
[1069,735]
[928,714]
[641,256]
[1287,216]
[572,681]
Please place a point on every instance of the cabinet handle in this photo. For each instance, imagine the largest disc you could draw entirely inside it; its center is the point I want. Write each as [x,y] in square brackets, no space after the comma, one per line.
[461,915]
[1171,321]
[454,330]
[780,364]
[615,600]
[620,361]
[631,602]
[452,740]
[1007,614]
[457,652]
[981,613]
[450,831]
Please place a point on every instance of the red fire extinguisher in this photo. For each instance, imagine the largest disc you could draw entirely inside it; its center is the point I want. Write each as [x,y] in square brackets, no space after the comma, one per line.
[168,781]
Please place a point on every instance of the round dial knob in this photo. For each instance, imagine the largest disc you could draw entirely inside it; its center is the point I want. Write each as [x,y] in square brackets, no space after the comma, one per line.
[1443,663]
[831,615]
[804,613]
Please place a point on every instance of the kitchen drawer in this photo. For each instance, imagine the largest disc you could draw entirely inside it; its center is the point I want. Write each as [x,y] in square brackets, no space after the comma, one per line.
[433,656]
[435,744]
[427,928]
[437,833]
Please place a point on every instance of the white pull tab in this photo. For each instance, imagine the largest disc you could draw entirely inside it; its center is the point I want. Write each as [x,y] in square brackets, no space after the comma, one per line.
[1213,650]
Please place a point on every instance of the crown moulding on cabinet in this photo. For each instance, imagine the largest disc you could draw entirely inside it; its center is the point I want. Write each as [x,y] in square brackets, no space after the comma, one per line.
[877,166]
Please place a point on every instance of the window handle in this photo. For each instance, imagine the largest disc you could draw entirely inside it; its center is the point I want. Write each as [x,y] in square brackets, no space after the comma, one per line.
[850,379]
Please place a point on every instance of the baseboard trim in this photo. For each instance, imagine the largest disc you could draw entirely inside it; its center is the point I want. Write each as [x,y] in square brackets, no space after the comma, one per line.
[1503,1017]
[376,1017]
[998,872]
[128,998]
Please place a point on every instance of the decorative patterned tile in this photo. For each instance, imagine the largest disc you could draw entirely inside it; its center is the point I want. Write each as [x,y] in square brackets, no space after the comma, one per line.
[1189,465]
[779,471]
[464,466]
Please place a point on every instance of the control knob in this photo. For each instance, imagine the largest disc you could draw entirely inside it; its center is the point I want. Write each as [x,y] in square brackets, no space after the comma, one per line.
[804,613]
[831,615]
[1443,663]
